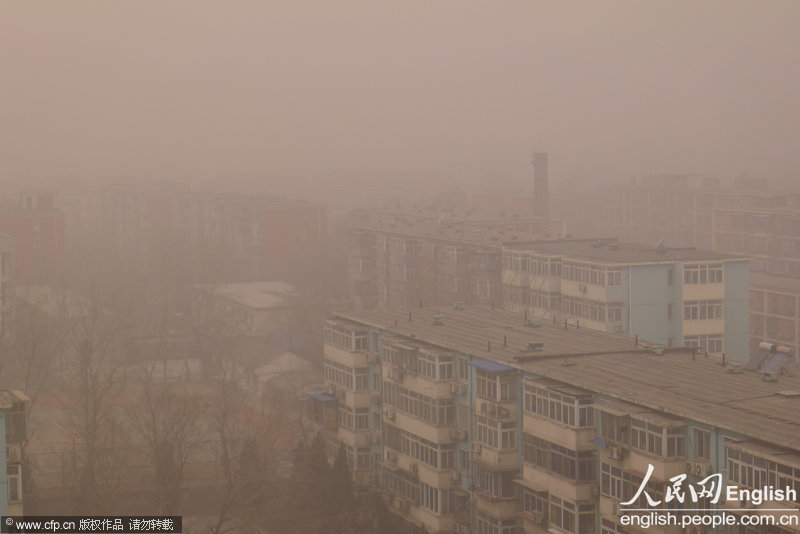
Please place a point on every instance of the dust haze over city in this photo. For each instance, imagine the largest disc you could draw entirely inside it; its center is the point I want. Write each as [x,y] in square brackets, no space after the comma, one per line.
[400,267]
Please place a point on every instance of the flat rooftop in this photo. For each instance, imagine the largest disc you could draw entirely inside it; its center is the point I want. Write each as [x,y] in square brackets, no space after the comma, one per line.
[617,252]
[610,365]
[255,295]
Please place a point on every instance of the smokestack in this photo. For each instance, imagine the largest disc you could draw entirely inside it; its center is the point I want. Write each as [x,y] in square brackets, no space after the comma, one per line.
[540,196]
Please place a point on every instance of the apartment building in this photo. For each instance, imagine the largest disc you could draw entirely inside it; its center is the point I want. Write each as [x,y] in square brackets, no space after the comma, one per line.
[397,264]
[13,434]
[173,228]
[774,311]
[770,236]
[680,208]
[36,227]
[473,420]
[666,295]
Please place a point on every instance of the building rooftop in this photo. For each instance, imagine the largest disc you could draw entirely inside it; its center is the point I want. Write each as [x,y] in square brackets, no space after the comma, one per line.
[617,252]
[778,283]
[454,233]
[700,389]
[255,295]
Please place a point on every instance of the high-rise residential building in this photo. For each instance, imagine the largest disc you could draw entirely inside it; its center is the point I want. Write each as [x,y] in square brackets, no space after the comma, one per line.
[36,227]
[666,295]
[770,236]
[474,420]
[679,208]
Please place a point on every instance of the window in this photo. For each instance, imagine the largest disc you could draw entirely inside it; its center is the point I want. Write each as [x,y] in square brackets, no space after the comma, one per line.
[562,513]
[702,309]
[487,524]
[496,386]
[705,343]
[706,273]
[702,440]
[611,482]
[432,454]
[439,412]
[496,434]
[658,440]
[14,480]
[559,405]
[566,463]
[347,377]
[498,484]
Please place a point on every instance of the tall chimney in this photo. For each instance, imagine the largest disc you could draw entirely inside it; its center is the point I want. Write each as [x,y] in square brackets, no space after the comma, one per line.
[540,197]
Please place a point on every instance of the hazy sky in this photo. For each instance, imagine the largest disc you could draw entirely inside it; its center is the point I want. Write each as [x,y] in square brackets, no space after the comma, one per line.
[461,88]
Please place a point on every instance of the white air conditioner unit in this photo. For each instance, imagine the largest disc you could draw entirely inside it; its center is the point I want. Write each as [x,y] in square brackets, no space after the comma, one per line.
[331,389]
[13,453]
[413,469]
[372,357]
[582,288]
[620,327]
[616,453]
[476,447]
[389,413]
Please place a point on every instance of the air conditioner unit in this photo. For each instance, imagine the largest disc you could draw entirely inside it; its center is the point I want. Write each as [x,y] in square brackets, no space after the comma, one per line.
[595,491]
[391,457]
[331,389]
[413,469]
[476,447]
[389,413]
[701,470]
[372,357]
[13,453]
[582,288]
[616,453]
[462,434]
[620,327]
[456,477]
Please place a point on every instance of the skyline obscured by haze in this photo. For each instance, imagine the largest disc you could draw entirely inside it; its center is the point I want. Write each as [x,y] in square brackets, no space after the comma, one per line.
[465,90]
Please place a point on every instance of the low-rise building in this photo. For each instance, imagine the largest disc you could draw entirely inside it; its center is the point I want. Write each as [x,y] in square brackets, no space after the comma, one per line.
[666,295]
[476,420]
